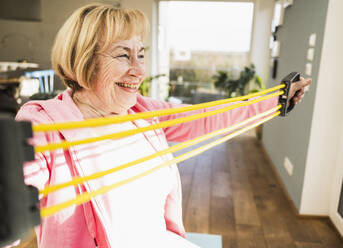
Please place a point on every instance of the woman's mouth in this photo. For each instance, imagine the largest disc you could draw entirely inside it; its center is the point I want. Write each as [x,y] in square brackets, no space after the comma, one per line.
[126,85]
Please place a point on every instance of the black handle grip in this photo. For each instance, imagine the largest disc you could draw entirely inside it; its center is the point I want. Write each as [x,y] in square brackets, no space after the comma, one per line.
[284,98]
[18,202]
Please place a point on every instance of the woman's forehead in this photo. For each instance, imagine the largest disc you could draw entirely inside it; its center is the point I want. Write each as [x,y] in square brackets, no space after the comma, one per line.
[133,43]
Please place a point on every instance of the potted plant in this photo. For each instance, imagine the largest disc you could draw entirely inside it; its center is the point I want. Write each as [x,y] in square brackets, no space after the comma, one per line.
[220,80]
[240,86]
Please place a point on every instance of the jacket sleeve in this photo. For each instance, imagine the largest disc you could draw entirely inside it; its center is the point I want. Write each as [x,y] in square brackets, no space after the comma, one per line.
[190,130]
[37,172]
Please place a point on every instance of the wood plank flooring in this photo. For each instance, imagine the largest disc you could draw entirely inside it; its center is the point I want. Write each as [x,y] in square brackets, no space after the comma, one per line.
[231,190]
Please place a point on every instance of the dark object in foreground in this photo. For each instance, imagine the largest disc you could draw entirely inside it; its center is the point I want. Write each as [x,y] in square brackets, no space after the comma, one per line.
[18,202]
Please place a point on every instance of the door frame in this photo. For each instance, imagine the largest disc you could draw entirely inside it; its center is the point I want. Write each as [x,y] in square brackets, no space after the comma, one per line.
[335,217]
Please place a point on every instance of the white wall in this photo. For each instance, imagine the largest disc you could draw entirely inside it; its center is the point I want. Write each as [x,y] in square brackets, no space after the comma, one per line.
[327,122]
[259,55]
[336,188]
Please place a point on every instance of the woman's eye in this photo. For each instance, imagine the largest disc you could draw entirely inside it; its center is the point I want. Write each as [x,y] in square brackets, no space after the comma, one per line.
[123,56]
[141,56]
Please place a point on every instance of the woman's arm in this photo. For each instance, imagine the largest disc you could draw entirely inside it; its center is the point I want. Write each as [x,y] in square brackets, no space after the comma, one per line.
[190,130]
[193,129]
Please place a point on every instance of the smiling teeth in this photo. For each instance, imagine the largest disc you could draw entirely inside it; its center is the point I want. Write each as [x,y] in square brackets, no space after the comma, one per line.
[127,85]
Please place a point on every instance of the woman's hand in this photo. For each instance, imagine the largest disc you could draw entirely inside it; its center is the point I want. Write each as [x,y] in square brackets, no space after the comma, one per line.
[297,89]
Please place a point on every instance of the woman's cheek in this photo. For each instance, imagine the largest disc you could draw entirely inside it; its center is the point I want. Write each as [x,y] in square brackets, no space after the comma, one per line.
[119,71]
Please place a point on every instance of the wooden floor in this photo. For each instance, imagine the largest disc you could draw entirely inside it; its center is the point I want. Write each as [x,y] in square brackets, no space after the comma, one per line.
[231,190]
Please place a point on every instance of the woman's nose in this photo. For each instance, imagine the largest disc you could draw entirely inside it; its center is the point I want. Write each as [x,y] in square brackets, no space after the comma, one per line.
[137,68]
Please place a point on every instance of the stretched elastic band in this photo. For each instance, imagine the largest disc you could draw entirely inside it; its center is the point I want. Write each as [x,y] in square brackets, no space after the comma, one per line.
[145,115]
[67,144]
[48,211]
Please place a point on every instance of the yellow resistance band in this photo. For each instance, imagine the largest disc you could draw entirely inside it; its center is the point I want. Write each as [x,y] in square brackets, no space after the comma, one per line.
[67,144]
[48,211]
[145,115]
[183,145]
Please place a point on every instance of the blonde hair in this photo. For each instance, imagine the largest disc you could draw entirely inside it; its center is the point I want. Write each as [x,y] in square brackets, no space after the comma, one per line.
[88,31]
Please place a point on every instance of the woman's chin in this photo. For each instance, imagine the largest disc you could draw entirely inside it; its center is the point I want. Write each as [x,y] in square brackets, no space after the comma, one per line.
[128,90]
[123,99]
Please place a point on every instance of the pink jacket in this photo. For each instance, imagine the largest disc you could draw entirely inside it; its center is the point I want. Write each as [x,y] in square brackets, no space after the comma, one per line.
[67,228]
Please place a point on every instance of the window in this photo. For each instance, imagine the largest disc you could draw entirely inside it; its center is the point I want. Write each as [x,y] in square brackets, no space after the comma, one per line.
[202,38]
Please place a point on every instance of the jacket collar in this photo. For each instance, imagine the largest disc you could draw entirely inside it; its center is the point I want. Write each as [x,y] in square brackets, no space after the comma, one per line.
[63,109]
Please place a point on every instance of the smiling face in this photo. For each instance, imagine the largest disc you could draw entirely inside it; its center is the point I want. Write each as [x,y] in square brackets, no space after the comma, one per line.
[120,71]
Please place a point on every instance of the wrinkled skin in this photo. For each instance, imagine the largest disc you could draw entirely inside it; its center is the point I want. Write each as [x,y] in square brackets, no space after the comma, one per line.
[122,62]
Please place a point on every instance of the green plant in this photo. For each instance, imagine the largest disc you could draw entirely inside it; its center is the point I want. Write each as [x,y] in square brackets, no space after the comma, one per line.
[145,85]
[259,83]
[220,80]
[239,87]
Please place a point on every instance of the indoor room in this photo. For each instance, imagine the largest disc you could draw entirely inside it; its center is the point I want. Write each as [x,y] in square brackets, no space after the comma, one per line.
[156,123]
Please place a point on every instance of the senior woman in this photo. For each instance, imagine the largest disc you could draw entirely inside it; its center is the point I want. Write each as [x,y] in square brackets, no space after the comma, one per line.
[99,54]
